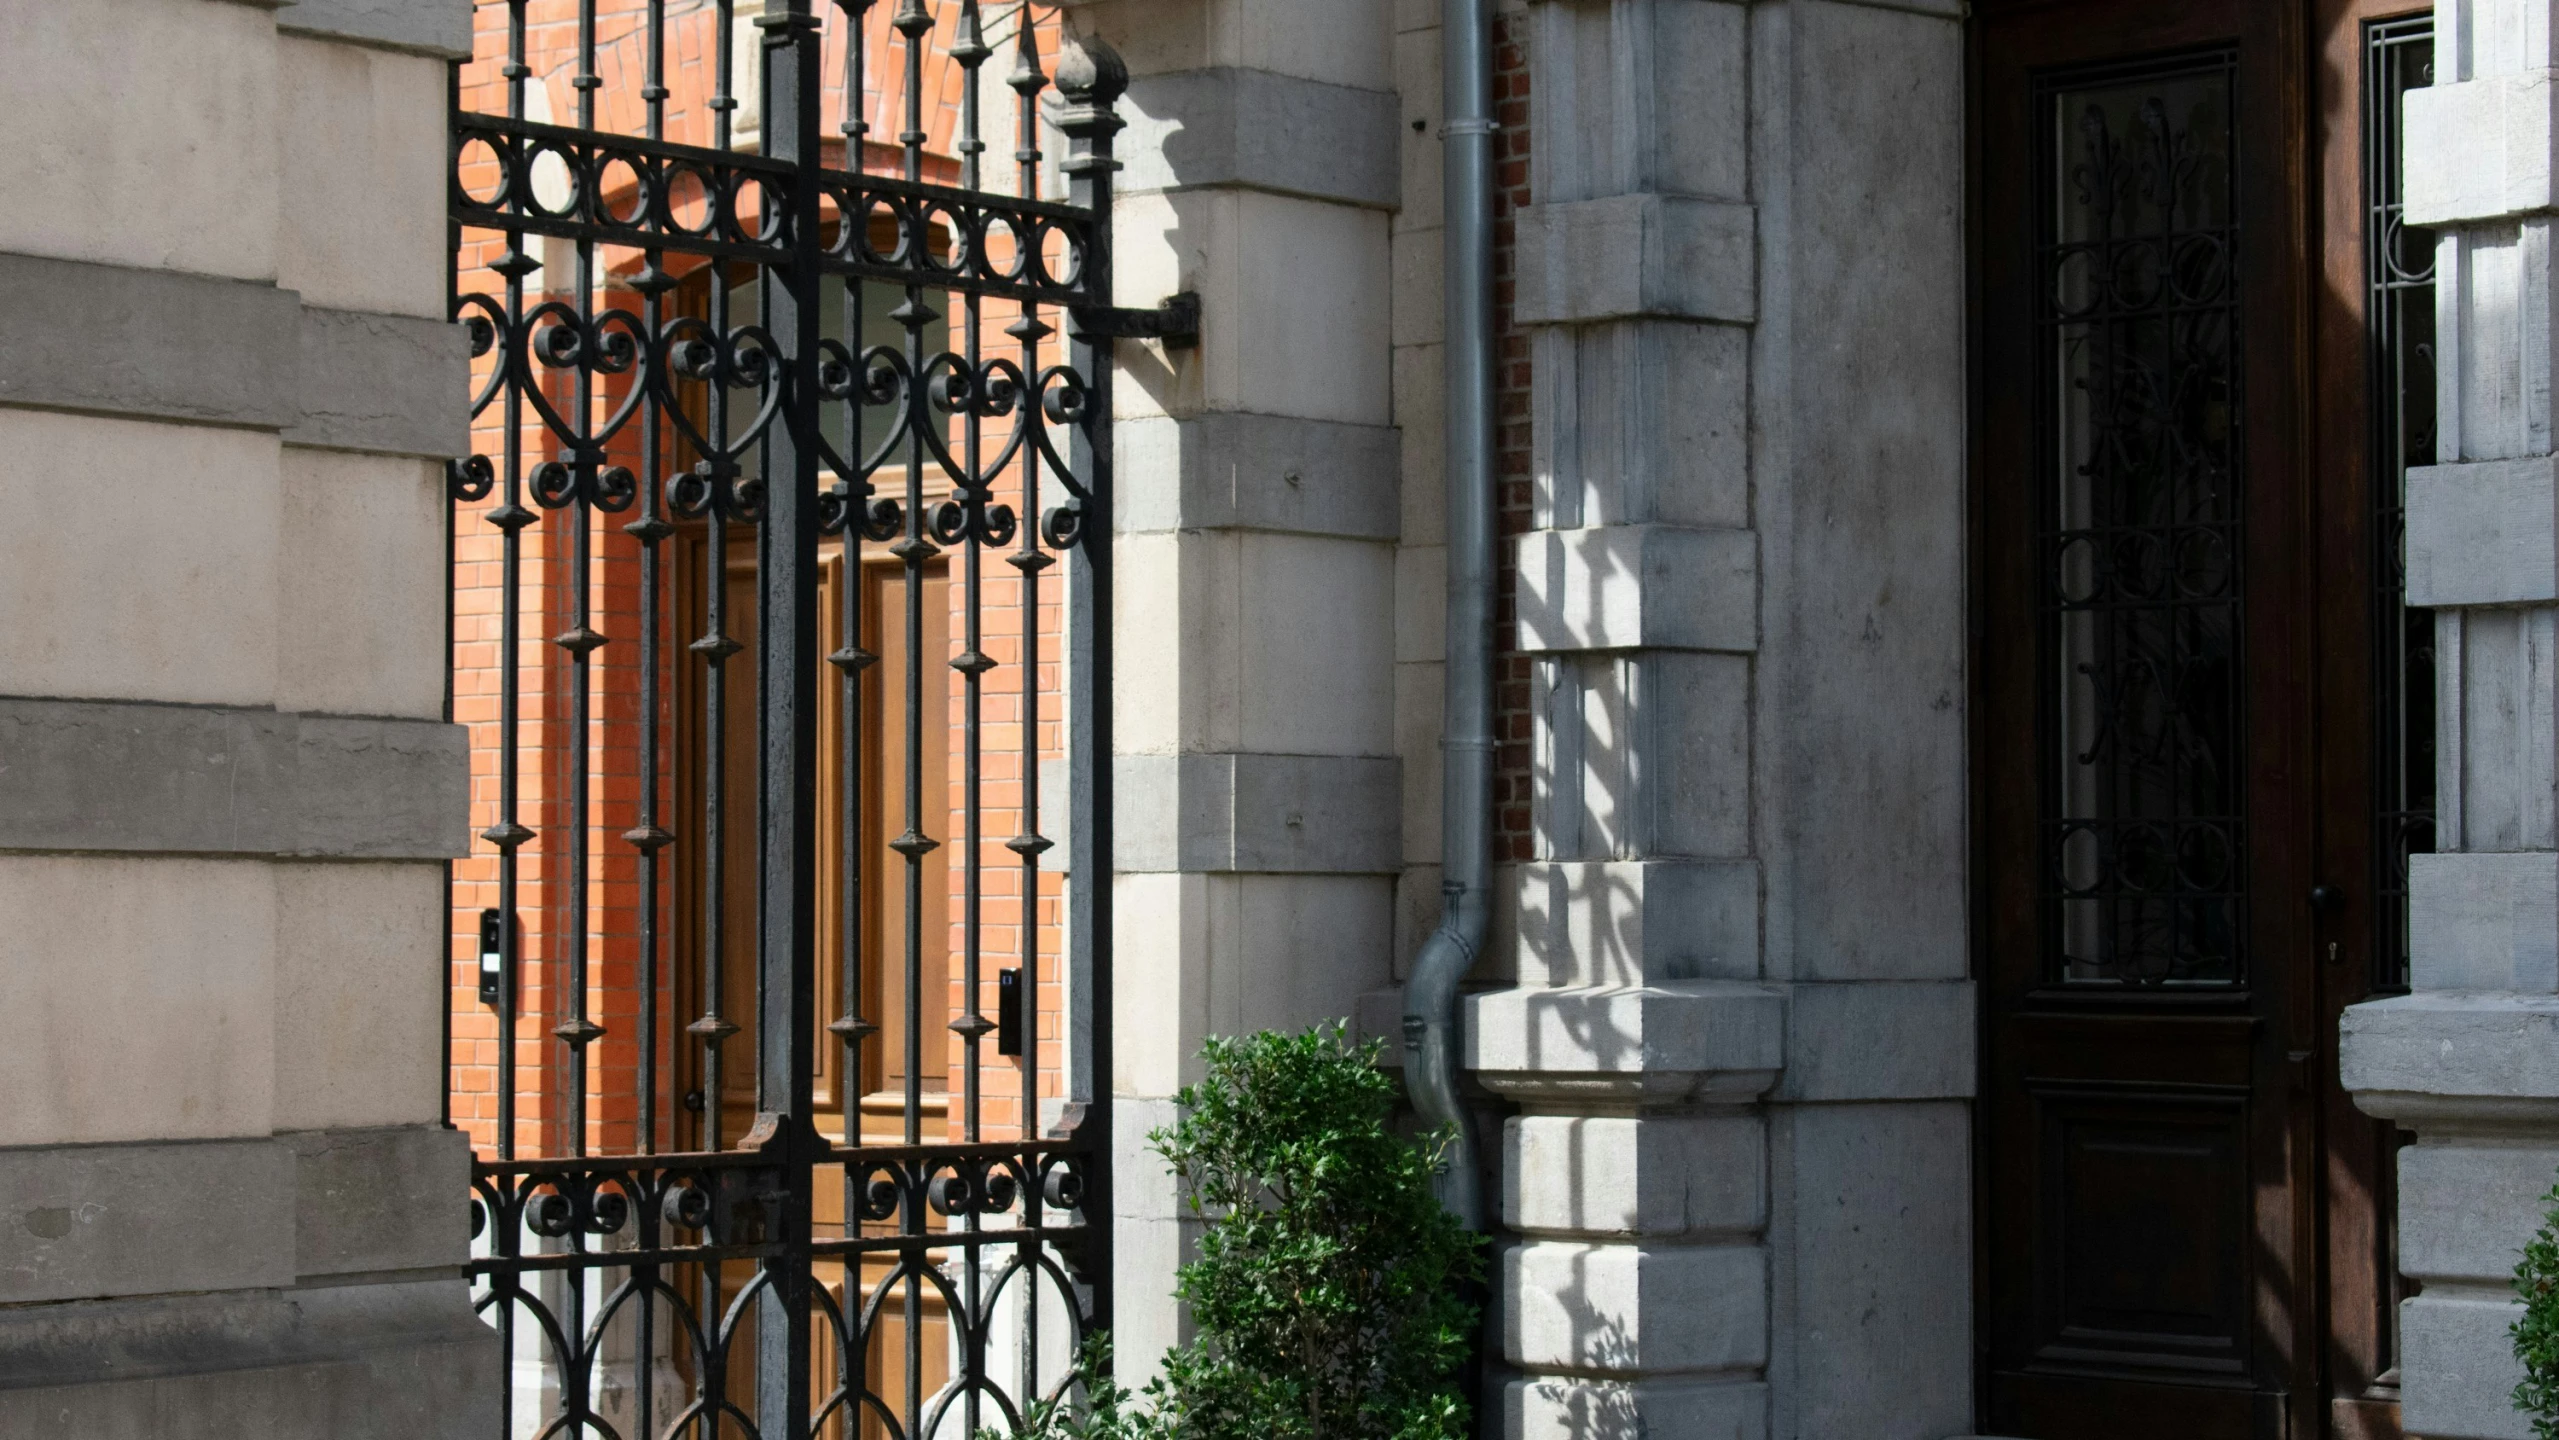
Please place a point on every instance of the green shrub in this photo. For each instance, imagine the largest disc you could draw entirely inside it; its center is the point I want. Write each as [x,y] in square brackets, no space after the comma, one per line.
[1330,1293]
[2536,1335]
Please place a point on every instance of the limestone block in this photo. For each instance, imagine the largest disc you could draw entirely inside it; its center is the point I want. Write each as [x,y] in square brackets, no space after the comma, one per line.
[1640,97]
[1634,1309]
[363,157]
[2466,1209]
[1417,131]
[1230,126]
[1420,384]
[348,938]
[1557,1407]
[351,1362]
[386,384]
[1281,644]
[1236,469]
[1641,420]
[2496,727]
[1142,1185]
[1628,255]
[360,585]
[1420,702]
[1301,814]
[1291,951]
[1637,922]
[441,28]
[2483,534]
[369,1201]
[129,777]
[173,165]
[2494,348]
[1686,1040]
[1642,756]
[1877,1297]
[2484,921]
[1295,304]
[1880,1040]
[87,1221]
[1159,956]
[137,999]
[154,576]
[1421,603]
[1421,305]
[2467,1057]
[113,339]
[2480,149]
[2457,1365]
[1200,955]
[1616,1176]
[1341,41]
[1625,587]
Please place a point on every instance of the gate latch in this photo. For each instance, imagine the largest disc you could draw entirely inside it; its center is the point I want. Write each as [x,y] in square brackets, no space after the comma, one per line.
[1176,322]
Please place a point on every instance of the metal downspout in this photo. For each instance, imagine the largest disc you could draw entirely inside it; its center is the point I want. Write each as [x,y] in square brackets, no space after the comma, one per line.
[1431,994]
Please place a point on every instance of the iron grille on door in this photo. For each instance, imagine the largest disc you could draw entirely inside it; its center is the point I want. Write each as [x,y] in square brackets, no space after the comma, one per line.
[747,388]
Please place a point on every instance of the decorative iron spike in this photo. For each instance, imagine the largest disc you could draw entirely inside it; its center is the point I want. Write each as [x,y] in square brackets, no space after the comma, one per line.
[648,839]
[715,648]
[1030,559]
[506,836]
[511,517]
[650,529]
[851,658]
[971,1025]
[712,1028]
[1026,77]
[580,640]
[580,1032]
[916,548]
[915,843]
[968,46]
[1030,844]
[972,662]
[852,1028]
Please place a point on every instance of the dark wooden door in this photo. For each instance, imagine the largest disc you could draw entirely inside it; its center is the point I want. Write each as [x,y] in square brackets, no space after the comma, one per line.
[2173,747]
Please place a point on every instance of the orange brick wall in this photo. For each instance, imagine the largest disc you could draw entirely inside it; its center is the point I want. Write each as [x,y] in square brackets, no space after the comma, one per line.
[548,744]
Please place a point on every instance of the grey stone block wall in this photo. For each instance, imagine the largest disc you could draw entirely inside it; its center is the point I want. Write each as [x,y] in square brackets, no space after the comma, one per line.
[2465,1060]
[227,385]
[1741,950]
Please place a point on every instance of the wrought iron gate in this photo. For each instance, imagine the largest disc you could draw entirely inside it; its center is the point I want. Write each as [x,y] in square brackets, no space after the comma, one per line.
[716,342]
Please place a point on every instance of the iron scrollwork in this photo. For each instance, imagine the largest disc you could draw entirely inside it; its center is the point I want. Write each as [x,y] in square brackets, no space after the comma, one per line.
[2143,574]
[673,342]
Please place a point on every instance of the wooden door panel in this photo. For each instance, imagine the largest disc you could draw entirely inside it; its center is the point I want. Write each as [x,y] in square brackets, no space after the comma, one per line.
[2146,1203]
[2139,727]
[2092,1409]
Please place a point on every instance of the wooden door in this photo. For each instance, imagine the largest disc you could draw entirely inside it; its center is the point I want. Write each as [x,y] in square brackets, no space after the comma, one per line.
[2155,1032]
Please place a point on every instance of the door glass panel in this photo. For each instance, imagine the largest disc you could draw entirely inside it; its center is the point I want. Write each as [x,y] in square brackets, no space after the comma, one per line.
[2399,309]
[2144,787]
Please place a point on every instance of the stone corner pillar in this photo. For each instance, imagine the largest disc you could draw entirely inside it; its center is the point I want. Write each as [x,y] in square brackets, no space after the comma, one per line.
[2466,1060]
[1736,1019]
[228,1205]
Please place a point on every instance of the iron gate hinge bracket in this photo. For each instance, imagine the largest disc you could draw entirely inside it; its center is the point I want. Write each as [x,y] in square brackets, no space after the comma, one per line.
[1176,322]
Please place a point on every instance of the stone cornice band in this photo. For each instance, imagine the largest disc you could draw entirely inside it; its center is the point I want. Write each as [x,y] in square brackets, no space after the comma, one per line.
[138,778]
[154,344]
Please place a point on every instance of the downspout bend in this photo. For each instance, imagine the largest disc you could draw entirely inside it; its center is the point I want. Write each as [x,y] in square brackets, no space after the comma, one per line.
[1431,1039]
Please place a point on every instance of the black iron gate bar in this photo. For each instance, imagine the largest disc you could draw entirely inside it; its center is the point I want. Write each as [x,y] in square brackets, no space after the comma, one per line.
[680,1217]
